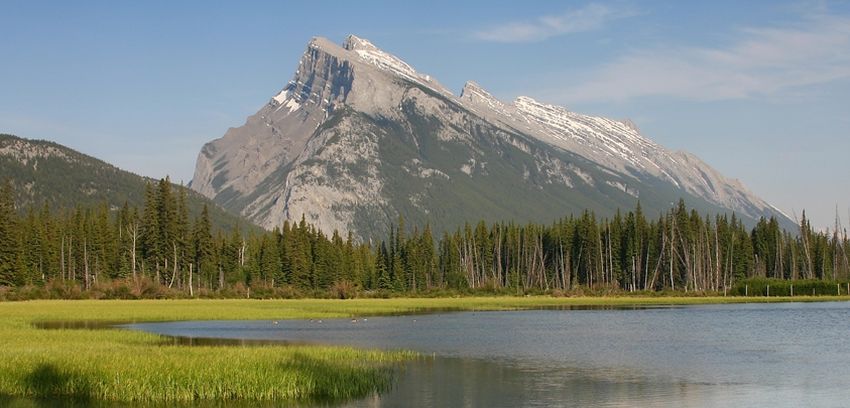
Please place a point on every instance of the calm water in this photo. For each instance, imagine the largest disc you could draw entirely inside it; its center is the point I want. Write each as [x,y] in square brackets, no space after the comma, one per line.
[778,355]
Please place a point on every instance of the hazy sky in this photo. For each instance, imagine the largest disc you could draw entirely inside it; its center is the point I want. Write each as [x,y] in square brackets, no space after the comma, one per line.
[759,90]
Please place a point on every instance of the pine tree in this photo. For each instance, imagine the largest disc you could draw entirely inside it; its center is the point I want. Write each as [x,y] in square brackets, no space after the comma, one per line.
[167,233]
[150,246]
[382,268]
[182,234]
[203,247]
[301,256]
[285,242]
[269,258]
[428,256]
[9,240]
[48,253]
[352,269]
[680,249]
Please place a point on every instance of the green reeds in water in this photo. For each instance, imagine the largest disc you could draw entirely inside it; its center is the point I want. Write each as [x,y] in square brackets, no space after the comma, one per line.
[130,366]
[124,365]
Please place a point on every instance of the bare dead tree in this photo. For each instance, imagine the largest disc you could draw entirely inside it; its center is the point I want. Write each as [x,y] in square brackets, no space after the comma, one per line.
[133,232]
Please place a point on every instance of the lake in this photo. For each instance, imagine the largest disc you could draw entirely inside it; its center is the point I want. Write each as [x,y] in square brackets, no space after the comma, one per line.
[777,355]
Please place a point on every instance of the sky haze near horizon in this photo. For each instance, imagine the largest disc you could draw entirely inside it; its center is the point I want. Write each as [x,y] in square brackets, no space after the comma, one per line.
[760,90]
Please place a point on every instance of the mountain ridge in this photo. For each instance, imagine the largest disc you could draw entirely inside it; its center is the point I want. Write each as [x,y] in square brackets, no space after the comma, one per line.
[360,101]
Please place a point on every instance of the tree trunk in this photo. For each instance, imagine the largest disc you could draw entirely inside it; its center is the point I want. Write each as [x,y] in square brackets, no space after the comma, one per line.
[133,235]
[191,288]
[174,267]
[62,258]
[86,265]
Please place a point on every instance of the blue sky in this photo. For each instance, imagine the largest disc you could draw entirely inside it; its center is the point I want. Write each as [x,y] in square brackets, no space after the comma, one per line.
[758,89]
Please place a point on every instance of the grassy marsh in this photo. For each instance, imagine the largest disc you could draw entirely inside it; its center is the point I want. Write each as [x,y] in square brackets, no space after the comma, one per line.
[122,365]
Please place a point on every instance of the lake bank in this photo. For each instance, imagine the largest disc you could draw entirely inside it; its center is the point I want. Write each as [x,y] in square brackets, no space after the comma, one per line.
[133,366]
[755,354]
[233,309]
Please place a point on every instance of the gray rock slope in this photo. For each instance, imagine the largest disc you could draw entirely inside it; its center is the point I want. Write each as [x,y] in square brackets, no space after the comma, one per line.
[358,137]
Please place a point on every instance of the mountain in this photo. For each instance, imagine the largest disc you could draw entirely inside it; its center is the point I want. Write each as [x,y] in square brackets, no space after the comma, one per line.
[358,137]
[46,172]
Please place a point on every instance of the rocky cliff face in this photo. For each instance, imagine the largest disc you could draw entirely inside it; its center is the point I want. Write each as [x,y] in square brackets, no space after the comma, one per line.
[358,137]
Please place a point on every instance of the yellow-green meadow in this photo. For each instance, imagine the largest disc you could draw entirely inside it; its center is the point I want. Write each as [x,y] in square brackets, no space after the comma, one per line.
[125,365]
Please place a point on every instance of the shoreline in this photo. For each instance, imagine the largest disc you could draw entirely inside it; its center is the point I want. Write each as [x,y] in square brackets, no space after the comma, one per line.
[142,310]
[118,365]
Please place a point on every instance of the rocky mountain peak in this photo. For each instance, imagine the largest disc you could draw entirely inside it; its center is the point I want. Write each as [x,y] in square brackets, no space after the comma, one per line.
[478,99]
[353,43]
[323,77]
[528,104]
[472,92]
[543,113]
[471,88]
[367,52]
[631,124]
[358,137]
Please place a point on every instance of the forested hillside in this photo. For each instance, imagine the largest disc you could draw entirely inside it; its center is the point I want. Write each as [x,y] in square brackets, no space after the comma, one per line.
[47,173]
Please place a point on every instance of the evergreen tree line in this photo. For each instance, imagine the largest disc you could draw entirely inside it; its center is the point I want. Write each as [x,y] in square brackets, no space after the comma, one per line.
[160,246]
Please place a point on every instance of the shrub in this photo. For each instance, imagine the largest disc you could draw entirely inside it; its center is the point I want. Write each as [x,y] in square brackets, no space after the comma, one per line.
[343,289]
[778,287]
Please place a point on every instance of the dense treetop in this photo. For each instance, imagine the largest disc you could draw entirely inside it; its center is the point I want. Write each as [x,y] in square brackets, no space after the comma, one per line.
[161,243]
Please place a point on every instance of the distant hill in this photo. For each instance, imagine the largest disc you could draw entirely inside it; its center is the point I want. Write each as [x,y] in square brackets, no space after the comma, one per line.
[47,172]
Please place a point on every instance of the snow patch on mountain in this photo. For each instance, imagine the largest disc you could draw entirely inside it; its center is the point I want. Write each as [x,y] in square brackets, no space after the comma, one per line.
[317,148]
[371,54]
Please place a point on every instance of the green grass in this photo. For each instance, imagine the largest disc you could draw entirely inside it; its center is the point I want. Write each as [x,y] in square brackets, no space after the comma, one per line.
[122,365]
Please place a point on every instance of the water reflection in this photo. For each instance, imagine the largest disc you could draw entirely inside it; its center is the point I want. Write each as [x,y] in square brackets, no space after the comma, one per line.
[460,382]
[778,355]
[77,324]
[109,324]
[445,382]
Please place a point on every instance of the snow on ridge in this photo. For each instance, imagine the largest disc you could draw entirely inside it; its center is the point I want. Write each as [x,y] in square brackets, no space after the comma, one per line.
[281,96]
[598,135]
[479,97]
[375,56]
[386,61]
[778,210]
[614,144]
[368,52]
[292,104]
[617,144]
[285,99]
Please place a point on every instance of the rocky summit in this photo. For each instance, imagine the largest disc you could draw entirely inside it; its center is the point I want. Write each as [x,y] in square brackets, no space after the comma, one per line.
[358,138]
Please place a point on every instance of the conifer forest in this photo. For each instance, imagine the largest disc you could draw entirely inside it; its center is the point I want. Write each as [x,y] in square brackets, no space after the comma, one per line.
[126,251]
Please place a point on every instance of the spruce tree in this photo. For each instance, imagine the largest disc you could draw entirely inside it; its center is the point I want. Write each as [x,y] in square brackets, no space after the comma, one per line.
[428,256]
[202,247]
[9,240]
[150,247]
[285,242]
